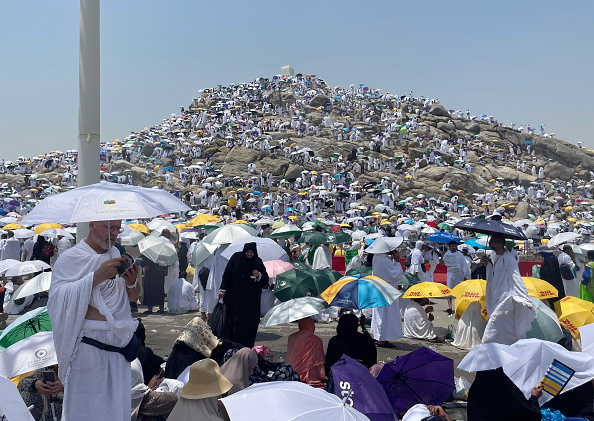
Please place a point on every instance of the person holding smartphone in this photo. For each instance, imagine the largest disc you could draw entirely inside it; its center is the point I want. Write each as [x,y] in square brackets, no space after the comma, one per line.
[37,389]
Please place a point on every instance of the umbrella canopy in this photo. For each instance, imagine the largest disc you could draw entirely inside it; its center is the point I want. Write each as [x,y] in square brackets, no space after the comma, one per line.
[26,268]
[408,280]
[32,353]
[57,232]
[462,304]
[360,292]
[491,227]
[33,286]
[314,238]
[26,325]
[276,267]
[337,237]
[574,313]
[360,271]
[23,233]
[443,237]
[293,310]
[539,288]
[203,219]
[563,237]
[133,238]
[158,250]
[545,325]
[362,391]
[159,224]
[140,228]
[289,401]
[488,356]
[13,406]
[480,243]
[7,264]
[104,201]
[285,231]
[385,245]
[444,226]
[229,233]
[300,282]
[422,376]
[267,249]
[472,289]
[43,227]
[427,290]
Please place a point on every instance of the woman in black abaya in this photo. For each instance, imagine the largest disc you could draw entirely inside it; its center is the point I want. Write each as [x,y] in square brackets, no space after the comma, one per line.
[241,288]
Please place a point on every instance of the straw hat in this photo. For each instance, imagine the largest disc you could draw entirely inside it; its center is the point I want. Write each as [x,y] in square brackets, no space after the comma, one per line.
[206,381]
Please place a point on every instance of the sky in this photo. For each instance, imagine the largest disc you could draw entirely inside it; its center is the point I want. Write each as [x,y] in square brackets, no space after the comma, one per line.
[529,62]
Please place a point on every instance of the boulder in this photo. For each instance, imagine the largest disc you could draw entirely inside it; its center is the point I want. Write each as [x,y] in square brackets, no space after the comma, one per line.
[320,100]
[522,210]
[148,149]
[293,172]
[555,170]
[448,128]
[439,110]
[474,128]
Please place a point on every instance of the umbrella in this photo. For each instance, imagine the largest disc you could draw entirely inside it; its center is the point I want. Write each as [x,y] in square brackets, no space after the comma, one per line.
[539,288]
[408,280]
[13,406]
[285,231]
[488,356]
[276,267]
[267,249]
[545,325]
[23,233]
[26,325]
[159,224]
[102,202]
[293,310]
[289,401]
[56,232]
[385,245]
[25,268]
[158,250]
[133,238]
[337,237]
[32,353]
[229,233]
[491,227]
[443,237]
[360,271]
[563,237]
[314,238]
[426,290]
[33,286]
[462,304]
[7,264]
[480,243]
[362,391]
[422,376]
[574,313]
[444,226]
[360,292]
[472,289]
[43,227]
[140,228]
[299,282]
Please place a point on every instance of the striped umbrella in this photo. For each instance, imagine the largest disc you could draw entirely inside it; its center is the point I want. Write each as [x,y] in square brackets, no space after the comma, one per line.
[360,292]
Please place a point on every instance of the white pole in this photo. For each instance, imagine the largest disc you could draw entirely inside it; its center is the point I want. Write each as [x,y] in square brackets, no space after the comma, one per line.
[88,99]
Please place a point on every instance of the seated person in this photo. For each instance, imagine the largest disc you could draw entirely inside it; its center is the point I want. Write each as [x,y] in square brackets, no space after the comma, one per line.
[577,402]
[147,403]
[349,341]
[417,325]
[35,392]
[181,297]
[239,368]
[471,327]
[305,352]
[420,412]
[494,397]
[151,363]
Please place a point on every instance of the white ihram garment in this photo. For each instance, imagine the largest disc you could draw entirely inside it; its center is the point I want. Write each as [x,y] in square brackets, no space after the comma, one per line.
[416,323]
[471,326]
[96,382]
[181,297]
[386,323]
[458,268]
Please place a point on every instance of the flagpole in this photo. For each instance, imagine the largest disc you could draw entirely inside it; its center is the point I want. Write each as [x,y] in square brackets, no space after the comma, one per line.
[88,98]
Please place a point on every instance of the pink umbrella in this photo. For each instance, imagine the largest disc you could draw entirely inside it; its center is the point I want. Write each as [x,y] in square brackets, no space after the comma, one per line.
[558,198]
[276,267]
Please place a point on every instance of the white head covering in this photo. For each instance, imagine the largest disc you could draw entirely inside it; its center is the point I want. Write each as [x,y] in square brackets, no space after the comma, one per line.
[418,245]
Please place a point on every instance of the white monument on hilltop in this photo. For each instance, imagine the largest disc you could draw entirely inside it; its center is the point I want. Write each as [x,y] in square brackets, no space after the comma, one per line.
[287,71]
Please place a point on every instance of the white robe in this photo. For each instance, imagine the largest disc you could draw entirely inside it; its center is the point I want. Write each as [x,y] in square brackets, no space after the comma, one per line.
[509,307]
[181,297]
[471,327]
[416,323]
[217,264]
[96,382]
[571,286]
[322,258]
[458,268]
[386,323]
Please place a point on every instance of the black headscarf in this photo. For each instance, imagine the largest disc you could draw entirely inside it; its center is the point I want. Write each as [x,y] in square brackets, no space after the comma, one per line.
[550,272]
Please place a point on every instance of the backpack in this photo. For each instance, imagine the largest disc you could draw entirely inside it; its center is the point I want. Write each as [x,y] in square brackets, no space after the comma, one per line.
[203,274]
[566,272]
[408,261]
[47,250]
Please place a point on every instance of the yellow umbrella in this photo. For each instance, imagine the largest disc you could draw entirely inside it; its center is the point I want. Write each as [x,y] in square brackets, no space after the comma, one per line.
[386,222]
[293,218]
[345,226]
[180,227]
[13,226]
[539,289]
[574,313]
[426,290]
[376,214]
[33,190]
[409,176]
[190,271]
[572,219]
[462,304]
[472,289]
[140,228]
[48,226]
[240,221]
[203,219]
[278,224]
[492,180]
[568,208]
[497,188]
[313,172]
[232,202]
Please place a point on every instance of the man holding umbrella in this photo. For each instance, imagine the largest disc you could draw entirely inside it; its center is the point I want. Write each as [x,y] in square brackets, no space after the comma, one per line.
[92,325]
[458,269]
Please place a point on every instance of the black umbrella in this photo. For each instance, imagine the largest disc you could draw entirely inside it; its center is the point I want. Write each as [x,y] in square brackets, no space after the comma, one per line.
[491,227]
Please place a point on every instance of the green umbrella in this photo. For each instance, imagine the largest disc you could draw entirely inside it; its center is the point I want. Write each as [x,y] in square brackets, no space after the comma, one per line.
[285,231]
[314,238]
[444,226]
[408,280]
[297,283]
[360,271]
[337,237]
[28,324]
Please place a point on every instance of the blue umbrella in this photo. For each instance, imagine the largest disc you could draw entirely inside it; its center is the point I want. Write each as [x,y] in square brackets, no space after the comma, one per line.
[483,115]
[422,376]
[491,227]
[257,193]
[474,243]
[362,391]
[409,221]
[168,168]
[289,210]
[443,237]
[542,125]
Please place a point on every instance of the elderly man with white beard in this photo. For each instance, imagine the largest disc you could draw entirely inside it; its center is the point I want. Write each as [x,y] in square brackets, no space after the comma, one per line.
[89,307]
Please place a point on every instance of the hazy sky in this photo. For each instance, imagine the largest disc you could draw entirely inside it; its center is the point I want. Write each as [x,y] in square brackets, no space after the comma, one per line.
[524,61]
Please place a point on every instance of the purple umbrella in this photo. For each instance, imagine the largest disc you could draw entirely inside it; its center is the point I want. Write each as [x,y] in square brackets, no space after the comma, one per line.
[363,392]
[423,376]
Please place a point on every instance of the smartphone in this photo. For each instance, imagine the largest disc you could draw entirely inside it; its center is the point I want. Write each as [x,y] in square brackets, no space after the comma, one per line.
[49,377]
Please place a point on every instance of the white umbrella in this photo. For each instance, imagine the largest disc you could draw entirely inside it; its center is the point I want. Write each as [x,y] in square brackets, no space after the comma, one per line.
[33,286]
[488,356]
[23,233]
[132,239]
[292,310]
[160,224]
[563,237]
[12,406]
[267,249]
[55,232]
[190,235]
[229,234]
[9,220]
[29,354]
[7,264]
[358,235]
[284,401]
[104,201]
[384,245]
[158,250]
[26,268]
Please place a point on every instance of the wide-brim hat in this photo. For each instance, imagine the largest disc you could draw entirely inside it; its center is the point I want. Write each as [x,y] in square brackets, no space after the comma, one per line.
[206,381]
